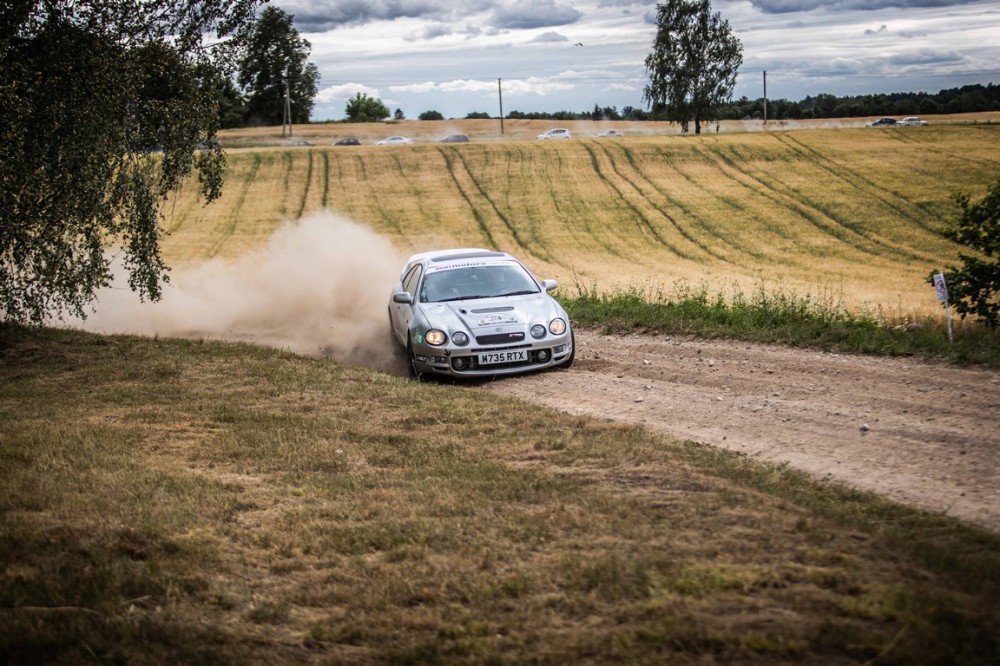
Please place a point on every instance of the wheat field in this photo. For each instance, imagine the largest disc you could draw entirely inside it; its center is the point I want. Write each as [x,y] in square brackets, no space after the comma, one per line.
[846,214]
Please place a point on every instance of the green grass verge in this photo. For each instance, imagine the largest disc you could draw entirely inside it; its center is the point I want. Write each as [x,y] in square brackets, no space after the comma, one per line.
[169,501]
[776,316]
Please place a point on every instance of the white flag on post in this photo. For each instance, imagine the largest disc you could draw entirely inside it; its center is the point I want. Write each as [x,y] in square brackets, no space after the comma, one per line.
[941,287]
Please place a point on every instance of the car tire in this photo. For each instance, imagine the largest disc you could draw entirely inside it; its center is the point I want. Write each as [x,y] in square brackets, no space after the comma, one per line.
[565,365]
[411,363]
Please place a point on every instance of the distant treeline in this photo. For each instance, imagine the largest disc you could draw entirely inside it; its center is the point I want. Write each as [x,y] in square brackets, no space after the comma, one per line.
[967,99]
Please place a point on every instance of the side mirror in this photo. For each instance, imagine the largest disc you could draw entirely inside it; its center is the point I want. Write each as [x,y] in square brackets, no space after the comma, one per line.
[549,285]
[402,297]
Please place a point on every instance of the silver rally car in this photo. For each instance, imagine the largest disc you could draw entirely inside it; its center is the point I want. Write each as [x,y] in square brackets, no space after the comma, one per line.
[476,313]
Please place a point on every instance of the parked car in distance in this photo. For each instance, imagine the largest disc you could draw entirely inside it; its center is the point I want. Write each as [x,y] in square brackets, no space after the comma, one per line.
[392,140]
[883,122]
[476,313]
[348,141]
[298,142]
[454,138]
[912,121]
[610,133]
[559,133]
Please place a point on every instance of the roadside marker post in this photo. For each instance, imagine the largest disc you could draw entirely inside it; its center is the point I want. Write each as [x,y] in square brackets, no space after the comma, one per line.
[941,287]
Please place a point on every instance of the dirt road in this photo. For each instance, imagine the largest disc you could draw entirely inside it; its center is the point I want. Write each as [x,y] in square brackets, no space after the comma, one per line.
[922,434]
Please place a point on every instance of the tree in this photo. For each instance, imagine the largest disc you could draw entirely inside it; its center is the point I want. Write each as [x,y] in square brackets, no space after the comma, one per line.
[103,112]
[276,63]
[399,115]
[364,109]
[692,68]
[974,288]
[431,115]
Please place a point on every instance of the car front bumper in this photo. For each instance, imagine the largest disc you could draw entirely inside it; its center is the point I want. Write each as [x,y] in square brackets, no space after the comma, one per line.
[465,361]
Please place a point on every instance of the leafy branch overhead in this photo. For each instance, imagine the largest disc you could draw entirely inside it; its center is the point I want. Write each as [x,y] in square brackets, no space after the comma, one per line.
[104,111]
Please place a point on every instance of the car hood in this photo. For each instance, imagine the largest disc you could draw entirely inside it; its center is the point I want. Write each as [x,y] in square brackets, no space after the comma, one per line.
[494,315]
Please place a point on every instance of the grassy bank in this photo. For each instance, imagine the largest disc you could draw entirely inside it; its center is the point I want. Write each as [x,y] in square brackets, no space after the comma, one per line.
[191,502]
[776,316]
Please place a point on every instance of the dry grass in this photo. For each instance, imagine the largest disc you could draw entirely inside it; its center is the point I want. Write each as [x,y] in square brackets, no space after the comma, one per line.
[845,213]
[188,502]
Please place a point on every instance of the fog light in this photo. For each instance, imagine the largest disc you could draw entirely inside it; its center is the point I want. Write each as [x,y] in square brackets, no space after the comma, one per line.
[543,356]
[458,363]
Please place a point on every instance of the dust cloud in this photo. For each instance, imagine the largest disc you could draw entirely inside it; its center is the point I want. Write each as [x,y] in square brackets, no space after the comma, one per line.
[319,287]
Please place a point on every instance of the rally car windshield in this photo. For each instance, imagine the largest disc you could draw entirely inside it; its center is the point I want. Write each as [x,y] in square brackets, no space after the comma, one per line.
[482,281]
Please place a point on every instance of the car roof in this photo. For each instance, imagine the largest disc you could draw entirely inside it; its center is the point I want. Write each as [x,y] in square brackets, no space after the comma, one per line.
[456,254]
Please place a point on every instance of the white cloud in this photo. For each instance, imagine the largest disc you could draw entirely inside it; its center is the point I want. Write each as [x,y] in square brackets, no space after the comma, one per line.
[344,92]
[549,38]
[447,55]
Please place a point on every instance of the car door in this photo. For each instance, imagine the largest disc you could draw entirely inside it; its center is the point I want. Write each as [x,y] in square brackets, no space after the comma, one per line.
[403,312]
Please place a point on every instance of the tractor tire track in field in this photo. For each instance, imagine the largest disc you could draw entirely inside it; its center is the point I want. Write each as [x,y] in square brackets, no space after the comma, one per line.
[710,230]
[234,216]
[857,181]
[742,209]
[703,222]
[177,217]
[414,191]
[644,223]
[909,136]
[580,216]
[388,220]
[306,190]
[484,228]
[822,220]
[511,227]
[326,179]
[286,158]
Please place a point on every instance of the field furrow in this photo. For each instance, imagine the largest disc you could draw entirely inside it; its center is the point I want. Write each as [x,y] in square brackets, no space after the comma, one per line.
[226,231]
[669,188]
[480,219]
[513,229]
[636,203]
[849,233]
[866,189]
[304,200]
[852,211]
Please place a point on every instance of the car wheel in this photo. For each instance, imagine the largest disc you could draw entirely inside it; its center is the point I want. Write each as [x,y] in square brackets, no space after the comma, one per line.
[565,365]
[411,363]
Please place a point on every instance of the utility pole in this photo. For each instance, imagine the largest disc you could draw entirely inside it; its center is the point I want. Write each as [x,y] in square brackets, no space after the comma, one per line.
[765,96]
[287,116]
[500,93]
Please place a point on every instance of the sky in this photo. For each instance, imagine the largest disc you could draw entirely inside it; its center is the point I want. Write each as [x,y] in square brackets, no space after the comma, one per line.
[462,56]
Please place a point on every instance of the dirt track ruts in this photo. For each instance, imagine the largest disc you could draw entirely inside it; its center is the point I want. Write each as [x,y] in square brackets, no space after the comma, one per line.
[923,434]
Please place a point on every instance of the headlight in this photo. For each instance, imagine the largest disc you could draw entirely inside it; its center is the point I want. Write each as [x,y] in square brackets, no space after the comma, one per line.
[460,338]
[557,326]
[538,331]
[435,338]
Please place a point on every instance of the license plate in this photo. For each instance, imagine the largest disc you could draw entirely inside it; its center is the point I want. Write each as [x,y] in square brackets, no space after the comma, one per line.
[508,356]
